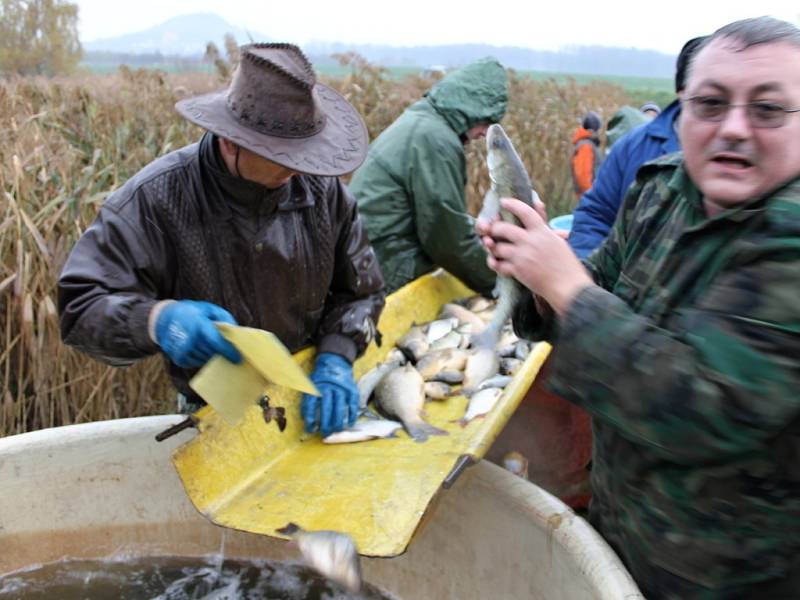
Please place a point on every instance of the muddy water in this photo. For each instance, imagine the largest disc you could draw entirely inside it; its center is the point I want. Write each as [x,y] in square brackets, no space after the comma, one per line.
[177,579]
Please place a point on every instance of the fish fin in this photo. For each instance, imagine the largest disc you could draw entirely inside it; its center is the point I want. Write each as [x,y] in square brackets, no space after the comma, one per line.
[420,432]
[408,354]
[491,206]
[289,529]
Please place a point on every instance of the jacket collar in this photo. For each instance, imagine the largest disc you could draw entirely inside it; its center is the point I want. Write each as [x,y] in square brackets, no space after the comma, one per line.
[661,127]
[248,194]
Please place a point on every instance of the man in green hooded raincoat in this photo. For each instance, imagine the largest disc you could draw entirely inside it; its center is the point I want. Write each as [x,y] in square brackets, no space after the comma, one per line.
[410,189]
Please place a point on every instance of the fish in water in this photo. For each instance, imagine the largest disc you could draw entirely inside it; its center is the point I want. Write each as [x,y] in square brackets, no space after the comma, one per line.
[364,429]
[331,553]
[509,179]
[401,394]
[480,403]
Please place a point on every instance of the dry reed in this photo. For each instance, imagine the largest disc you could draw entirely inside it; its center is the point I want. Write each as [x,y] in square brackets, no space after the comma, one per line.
[65,144]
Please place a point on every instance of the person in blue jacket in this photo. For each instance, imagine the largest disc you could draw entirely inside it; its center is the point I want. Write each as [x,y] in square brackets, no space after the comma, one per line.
[597,209]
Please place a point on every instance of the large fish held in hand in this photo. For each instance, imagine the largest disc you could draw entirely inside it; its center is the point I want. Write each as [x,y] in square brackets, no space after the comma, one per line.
[509,179]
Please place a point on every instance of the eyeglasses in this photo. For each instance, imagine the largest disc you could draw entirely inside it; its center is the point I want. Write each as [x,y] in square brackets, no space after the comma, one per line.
[760,114]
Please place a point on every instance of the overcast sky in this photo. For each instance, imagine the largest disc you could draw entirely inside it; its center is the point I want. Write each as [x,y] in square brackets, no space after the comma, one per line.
[542,24]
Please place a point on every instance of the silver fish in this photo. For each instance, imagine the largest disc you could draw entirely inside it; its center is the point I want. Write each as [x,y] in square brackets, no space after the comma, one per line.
[433,363]
[498,381]
[451,340]
[401,394]
[449,377]
[478,303]
[331,553]
[437,390]
[480,403]
[482,364]
[370,379]
[464,316]
[414,343]
[510,366]
[507,344]
[522,349]
[363,430]
[438,329]
[508,179]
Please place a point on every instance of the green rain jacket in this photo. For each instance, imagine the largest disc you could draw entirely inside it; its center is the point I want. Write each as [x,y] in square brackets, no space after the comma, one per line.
[410,189]
[687,356]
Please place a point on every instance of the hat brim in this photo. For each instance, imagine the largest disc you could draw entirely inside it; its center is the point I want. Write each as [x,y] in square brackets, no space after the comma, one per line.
[339,148]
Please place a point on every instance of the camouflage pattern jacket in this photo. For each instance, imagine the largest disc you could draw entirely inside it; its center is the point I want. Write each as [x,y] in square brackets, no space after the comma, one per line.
[687,356]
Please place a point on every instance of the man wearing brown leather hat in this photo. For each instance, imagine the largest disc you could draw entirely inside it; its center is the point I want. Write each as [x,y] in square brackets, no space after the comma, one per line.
[250,225]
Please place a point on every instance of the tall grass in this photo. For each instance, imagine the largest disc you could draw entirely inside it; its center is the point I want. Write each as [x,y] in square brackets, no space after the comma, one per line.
[66,144]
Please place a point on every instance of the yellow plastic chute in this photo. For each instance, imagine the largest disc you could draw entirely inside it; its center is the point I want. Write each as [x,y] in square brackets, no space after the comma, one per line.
[253,477]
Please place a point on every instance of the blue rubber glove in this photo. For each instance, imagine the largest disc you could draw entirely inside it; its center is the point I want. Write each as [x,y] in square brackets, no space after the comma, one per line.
[338,404]
[186,332]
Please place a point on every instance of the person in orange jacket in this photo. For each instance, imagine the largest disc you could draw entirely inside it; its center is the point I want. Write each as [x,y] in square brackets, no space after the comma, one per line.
[586,157]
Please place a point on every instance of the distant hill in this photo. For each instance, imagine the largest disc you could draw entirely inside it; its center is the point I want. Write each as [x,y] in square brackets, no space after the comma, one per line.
[184,38]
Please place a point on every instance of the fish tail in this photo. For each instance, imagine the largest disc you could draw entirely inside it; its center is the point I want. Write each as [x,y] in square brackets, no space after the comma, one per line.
[487,338]
[510,294]
[464,421]
[421,431]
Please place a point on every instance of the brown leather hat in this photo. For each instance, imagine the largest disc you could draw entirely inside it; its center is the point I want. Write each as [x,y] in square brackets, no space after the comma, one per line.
[276,108]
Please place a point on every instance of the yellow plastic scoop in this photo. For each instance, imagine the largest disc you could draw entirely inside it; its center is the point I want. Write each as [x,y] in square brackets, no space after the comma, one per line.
[231,389]
[256,477]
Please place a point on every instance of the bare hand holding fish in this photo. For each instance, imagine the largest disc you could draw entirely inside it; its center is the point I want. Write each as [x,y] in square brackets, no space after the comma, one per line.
[534,255]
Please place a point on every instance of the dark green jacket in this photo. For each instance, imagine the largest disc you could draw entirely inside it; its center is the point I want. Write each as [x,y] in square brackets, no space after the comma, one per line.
[688,358]
[623,121]
[410,189]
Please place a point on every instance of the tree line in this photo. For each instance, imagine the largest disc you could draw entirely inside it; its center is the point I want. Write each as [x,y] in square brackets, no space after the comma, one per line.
[38,37]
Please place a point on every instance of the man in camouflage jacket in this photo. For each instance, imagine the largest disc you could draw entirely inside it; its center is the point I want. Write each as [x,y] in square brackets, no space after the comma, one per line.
[681,334]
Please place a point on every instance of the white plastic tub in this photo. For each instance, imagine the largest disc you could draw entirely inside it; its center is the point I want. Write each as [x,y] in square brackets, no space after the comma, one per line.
[109,489]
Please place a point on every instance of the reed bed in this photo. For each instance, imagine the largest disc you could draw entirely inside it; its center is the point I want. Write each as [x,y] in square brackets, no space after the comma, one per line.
[65,144]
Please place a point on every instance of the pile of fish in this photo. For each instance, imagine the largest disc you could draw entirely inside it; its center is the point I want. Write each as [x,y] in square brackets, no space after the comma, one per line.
[435,361]
[470,345]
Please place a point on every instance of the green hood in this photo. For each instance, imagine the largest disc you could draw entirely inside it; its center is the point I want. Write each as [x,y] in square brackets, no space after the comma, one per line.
[475,93]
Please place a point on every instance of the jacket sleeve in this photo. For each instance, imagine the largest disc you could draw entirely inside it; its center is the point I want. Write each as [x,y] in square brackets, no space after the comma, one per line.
[583,166]
[720,379]
[107,288]
[722,384]
[444,228]
[598,207]
[356,295]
